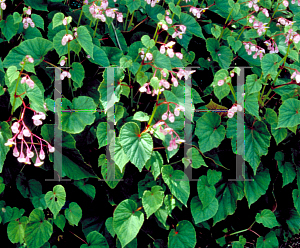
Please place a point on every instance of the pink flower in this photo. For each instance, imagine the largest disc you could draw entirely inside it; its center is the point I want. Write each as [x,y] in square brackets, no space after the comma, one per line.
[164,27]
[285,3]
[149,56]
[265,12]
[168,20]
[62,63]
[120,17]
[30,83]
[170,52]
[15,127]
[51,148]
[37,122]
[230,114]
[164,116]
[179,141]
[239,107]
[172,145]
[3,6]
[65,21]
[177,110]
[30,153]
[25,25]
[21,158]
[164,83]
[26,132]
[27,160]
[171,117]
[174,81]
[220,82]
[179,55]
[86,2]
[16,152]
[38,162]
[162,49]
[42,154]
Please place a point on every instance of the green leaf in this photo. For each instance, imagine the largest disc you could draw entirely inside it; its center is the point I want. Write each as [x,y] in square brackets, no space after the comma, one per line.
[141,116]
[88,189]
[121,42]
[296,199]
[138,147]
[60,221]
[288,172]
[289,113]
[201,213]
[269,241]
[228,193]
[177,182]
[251,104]
[37,4]
[293,221]
[269,64]
[85,40]
[38,21]
[209,131]
[192,26]
[120,157]
[109,226]
[152,200]
[111,177]
[56,199]
[235,45]
[258,186]
[38,230]
[36,96]
[60,49]
[221,91]
[253,84]
[206,191]
[8,27]
[127,222]
[161,60]
[80,114]
[267,218]
[73,213]
[147,42]
[95,240]
[101,134]
[257,141]
[100,57]
[155,162]
[16,230]
[37,48]
[77,73]
[133,5]
[216,31]
[12,74]
[184,236]
[5,134]
[213,176]
[58,19]
[196,158]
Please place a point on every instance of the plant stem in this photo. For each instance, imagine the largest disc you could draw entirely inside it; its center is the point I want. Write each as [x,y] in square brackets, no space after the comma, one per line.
[18,80]
[69,58]
[130,20]
[172,21]
[95,28]
[80,17]
[125,23]
[131,89]
[152,116]
[232,91]
[91,23]
[137,105]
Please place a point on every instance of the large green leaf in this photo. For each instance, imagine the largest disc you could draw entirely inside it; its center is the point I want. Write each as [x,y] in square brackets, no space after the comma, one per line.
[228,193]
[192,26]
[95,240]
[209,131]
[138,147]
[201,213]
[161,60]
[257,141]
[56,199]
[77,115]
[100,57]
[127,222]
[269,241]
[289,113]
[38,230]
[267,218]
[120,157]
[206,191]
[152,200]
[16,230]
[269,64]
[8,27]
[88,189]
[85,40]
[178,183]
[133,5]
[111,179]
[73,213]
[37,4]
[296,199]
[5,134]
[256,188]
[37,48]
[184,236]
[288,172]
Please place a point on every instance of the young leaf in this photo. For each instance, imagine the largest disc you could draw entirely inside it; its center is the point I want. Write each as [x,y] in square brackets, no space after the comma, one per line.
[73,213]
[267,218]
[56,199]
[201,213]
[184,236]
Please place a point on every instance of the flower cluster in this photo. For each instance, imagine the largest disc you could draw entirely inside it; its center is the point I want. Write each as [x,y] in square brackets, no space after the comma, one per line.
[66,38]
[169,115]
[261,27]
[148,56]
[167,130]
[284,22]
[183,73]
[3,4]
[235,107]
[293,2]
[177,32]
[254,48]
[292,36]
[28,81]
[152,2]
[21,132]
[98,11]
[197,11]
[62,60]
[271,45]
[65,74]
[253,4]
[170,51]
[27,20]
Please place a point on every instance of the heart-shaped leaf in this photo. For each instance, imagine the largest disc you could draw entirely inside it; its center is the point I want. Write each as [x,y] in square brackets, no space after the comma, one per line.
[201,213]
[56,199]
[184,236]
